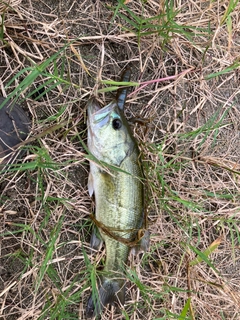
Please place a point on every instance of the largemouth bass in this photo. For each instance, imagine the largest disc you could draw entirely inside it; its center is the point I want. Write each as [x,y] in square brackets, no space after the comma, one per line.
[118,198]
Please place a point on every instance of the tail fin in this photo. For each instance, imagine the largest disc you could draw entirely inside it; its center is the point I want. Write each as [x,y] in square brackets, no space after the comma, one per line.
[109,291]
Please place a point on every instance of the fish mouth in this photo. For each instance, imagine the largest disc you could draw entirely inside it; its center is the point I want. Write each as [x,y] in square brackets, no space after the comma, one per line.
[98,115]
[93,107]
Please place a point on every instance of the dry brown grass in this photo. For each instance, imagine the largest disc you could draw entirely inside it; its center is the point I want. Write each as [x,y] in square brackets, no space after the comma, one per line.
[190,149]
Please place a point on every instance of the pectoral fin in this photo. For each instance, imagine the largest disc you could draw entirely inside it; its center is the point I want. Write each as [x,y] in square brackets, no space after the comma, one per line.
[90,184]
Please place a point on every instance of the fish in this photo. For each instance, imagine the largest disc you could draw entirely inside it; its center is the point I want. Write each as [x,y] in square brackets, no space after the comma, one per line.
[118,188]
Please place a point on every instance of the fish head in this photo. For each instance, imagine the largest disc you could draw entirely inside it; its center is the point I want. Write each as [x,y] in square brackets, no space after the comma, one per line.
[109,136]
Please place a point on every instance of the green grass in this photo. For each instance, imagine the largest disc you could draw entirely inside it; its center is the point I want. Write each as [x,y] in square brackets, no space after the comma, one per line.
[163,25]
[31,74]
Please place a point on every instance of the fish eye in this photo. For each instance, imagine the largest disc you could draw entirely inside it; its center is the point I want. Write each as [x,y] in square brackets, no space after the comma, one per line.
[116,124]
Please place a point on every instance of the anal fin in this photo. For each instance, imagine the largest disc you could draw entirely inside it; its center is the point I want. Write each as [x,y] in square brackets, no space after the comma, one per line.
[96,239]
[143,244]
